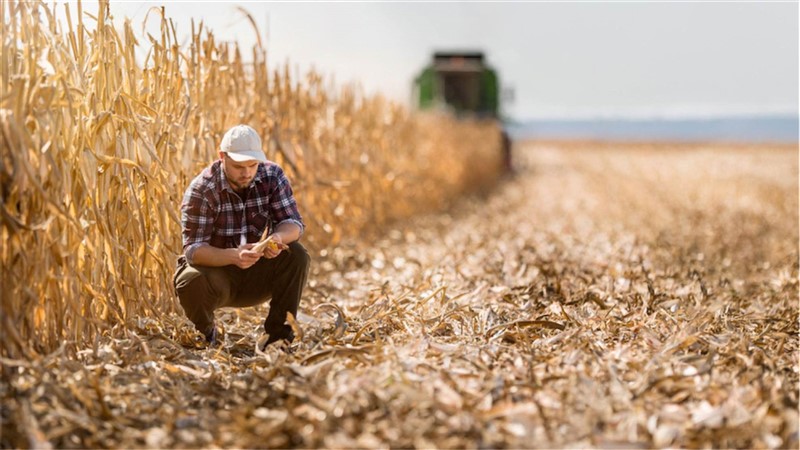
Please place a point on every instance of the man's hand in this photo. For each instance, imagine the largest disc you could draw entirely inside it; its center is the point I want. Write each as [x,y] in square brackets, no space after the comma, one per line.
[274,246]
[246,257]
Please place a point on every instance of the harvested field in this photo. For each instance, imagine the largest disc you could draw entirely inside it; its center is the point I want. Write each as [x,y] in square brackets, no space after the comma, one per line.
[606,296]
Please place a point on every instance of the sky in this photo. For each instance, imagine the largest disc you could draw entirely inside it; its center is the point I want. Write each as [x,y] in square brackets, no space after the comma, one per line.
[554,60]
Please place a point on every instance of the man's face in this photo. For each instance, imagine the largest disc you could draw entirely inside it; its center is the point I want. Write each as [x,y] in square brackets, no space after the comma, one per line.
[239,174]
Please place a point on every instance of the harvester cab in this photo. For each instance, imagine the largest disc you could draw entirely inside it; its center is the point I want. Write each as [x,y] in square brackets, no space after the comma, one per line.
[459,81]
[463,84]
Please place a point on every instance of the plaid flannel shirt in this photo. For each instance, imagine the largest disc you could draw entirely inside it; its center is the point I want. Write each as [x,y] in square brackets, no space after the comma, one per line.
[212,213]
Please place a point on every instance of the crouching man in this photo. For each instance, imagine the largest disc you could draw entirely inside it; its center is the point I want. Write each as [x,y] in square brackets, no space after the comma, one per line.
[225,211]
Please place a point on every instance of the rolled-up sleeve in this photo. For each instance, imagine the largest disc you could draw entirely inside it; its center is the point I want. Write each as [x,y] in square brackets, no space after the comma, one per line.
[282,206]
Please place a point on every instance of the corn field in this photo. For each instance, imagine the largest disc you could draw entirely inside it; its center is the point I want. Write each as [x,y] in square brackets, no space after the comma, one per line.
[607,295]
[97,150]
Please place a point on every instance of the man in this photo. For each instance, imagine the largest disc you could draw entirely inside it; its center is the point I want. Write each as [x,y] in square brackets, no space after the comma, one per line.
[225,212]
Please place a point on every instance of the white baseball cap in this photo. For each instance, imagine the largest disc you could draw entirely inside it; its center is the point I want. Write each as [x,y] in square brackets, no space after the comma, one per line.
[242,143]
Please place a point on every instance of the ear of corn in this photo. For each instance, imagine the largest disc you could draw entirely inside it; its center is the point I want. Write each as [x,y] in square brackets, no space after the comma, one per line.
[97,150]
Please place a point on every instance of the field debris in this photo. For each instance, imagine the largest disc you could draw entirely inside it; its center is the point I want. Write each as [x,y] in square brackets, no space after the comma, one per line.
[607,296]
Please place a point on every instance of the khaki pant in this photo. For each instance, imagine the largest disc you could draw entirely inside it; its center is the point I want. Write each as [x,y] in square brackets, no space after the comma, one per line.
[203,289]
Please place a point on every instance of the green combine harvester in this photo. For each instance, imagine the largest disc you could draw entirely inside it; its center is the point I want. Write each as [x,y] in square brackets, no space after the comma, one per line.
[463,84]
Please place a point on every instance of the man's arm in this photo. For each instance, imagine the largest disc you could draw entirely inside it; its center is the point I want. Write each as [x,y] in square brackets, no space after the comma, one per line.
[283,209]
[286,233]
[242,257]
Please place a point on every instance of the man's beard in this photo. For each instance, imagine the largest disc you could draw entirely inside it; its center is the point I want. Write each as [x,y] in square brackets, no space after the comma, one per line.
[241,184]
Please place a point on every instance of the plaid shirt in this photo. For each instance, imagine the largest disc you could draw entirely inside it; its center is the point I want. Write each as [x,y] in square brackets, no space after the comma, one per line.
[212,213]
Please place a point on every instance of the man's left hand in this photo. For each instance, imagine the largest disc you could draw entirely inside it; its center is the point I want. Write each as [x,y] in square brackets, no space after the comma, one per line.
[274,246]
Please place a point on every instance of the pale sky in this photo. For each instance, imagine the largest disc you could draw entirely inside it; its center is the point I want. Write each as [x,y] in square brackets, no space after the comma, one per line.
[560,59]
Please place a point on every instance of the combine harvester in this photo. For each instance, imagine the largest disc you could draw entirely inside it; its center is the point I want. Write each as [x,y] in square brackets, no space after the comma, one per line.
[465,86]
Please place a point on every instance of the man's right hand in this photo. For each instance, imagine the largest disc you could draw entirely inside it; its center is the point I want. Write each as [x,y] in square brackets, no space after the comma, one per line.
[245,257]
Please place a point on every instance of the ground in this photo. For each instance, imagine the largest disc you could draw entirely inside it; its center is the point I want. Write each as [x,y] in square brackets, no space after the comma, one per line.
[605,295]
